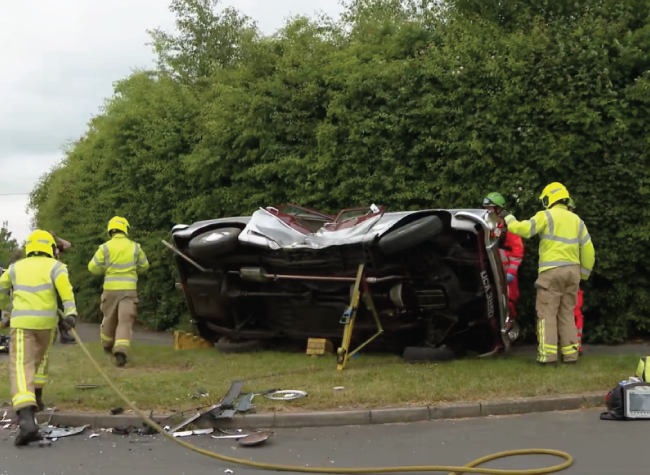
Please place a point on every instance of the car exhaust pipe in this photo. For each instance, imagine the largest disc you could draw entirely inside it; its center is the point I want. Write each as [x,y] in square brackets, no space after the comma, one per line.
[258,274]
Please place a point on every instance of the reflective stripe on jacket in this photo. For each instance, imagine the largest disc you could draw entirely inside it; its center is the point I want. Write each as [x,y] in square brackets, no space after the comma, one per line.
[120,260]
[512,253]
[34,283]
[564,239]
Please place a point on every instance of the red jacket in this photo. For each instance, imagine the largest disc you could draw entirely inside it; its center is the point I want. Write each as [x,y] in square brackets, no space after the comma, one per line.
[513,253]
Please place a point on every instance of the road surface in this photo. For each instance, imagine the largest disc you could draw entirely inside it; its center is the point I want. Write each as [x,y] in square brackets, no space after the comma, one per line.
[599,447]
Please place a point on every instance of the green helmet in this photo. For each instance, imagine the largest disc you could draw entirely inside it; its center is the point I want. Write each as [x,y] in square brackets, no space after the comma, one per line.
[572,204]
[494,199]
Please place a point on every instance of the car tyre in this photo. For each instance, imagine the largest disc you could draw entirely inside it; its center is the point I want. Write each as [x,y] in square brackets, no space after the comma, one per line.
[411,235]
[225,345]
[216,242]
[417,353]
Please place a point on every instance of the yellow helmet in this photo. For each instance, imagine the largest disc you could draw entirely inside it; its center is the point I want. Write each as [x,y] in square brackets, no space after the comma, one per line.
[118,224]
[553,193]
[40,241]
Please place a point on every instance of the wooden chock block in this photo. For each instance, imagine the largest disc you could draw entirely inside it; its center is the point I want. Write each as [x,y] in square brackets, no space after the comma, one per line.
[319,347]
[188,341]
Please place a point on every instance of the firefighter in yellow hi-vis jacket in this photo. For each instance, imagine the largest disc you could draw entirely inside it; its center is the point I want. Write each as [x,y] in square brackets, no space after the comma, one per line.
[566,255]
[33,284]
[120,260]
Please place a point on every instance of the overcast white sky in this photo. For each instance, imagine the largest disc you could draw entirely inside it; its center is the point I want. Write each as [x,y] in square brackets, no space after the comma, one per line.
[59,61]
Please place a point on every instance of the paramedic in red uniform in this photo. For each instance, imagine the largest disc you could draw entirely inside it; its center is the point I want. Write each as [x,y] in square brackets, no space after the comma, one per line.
[511,249]
[577,312]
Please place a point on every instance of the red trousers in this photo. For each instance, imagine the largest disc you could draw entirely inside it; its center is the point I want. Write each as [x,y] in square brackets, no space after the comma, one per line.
[513,297]
[577,313]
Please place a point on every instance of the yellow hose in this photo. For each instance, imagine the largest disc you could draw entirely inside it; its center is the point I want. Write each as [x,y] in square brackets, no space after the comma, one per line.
[471,467]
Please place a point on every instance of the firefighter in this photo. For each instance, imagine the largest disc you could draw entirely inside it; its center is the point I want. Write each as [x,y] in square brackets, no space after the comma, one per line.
[511,249]
[34,284]
[566,256]
[120,260]
[577,312]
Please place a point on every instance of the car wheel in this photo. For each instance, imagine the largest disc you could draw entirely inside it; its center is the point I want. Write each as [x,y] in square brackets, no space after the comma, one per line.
[411,235]
[417,353]
[225,345]
[213,243]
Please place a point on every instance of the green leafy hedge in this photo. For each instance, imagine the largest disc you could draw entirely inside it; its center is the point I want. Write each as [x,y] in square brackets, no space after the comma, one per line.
[395,103]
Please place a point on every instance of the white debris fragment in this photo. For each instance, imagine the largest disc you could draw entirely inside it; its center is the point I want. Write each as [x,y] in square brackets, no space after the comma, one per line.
[193,432]
[6,426]
[227,471]
[339,388]
[92,436]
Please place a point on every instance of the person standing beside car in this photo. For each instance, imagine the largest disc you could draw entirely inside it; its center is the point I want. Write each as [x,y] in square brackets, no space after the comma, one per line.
[566,256]
[577,312]
[511,250]
[120,260]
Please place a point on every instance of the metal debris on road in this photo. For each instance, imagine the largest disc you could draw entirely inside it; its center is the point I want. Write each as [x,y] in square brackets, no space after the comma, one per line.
[92,436]
[286,395]
[54,433]
[226,409]
[256,438]
[186,422]
[233,436]
[44,443]
[227,471]
[245,404]
[87,386]
[187,433]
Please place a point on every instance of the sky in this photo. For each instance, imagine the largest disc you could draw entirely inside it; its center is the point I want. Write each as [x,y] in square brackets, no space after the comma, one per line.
[59,62]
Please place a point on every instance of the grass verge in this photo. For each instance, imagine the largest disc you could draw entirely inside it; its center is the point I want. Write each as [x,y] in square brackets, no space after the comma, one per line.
[164,380]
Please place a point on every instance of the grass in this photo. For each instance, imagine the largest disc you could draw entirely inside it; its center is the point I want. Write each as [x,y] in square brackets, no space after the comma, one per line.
[164,380]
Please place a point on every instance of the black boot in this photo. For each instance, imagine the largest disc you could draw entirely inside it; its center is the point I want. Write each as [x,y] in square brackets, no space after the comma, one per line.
[120,359]
[108,349]
[39,399]
[28,428]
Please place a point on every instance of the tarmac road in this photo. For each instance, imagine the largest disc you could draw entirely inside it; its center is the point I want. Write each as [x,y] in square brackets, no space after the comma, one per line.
[599,447]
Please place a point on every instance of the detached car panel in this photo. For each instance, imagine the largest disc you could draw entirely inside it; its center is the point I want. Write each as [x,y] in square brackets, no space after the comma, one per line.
[284,273]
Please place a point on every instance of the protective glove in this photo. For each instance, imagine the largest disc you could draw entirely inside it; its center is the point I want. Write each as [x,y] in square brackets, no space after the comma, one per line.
[70,321]
[4,322]
[504,213]
[511,278]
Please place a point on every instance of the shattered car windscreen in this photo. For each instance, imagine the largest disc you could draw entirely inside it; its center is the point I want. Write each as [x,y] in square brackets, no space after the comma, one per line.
[265,229]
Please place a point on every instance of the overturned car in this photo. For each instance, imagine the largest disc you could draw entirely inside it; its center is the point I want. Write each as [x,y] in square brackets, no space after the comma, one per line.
[287,273]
